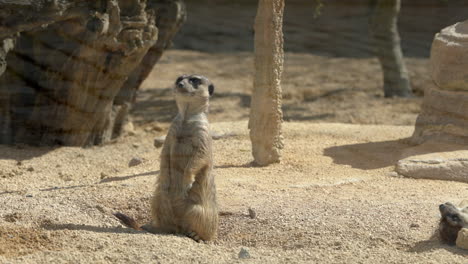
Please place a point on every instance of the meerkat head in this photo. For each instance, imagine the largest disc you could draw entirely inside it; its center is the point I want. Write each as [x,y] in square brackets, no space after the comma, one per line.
[192,92]
[452,220]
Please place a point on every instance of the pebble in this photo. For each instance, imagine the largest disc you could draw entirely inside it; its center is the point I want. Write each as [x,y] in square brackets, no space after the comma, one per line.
[135,161]
[244,254]
[159,141]
[252,213]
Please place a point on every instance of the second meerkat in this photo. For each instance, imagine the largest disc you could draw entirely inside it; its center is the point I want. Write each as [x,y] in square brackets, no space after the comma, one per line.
[185,197]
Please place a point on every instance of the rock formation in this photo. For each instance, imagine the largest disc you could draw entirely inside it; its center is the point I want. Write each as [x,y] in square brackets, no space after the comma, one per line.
[69,69]
[444,113]
[441,130]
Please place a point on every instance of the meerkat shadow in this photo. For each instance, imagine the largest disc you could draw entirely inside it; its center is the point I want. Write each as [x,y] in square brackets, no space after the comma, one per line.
[127,177]
[434,243]
[245,165]
[96,229]
[99,229]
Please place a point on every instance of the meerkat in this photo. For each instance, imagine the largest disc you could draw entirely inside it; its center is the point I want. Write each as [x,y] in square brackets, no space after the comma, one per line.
[452,219]
[184,200]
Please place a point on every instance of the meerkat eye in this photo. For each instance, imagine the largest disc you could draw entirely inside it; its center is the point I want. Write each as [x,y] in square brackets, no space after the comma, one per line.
[195,82]
[455,218]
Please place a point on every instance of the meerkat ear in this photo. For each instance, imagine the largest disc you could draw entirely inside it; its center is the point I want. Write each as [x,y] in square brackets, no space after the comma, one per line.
[211,89]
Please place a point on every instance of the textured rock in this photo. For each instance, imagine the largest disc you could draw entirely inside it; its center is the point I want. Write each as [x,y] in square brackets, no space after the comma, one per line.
[443,118]
[462,238]
[435,161]
[449,57]
[265,111]
[74,69]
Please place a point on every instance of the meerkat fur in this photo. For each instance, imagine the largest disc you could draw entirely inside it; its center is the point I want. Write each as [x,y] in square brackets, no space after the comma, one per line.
[453,219]
[184,199]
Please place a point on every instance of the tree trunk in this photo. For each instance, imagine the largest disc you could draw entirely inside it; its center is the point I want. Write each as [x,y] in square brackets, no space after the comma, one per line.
[71,60]
[265,114]
[383,25]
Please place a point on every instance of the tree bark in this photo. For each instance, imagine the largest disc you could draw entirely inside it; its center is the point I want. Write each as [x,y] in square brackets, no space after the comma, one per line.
[71,60]
[266,114]
[383,25]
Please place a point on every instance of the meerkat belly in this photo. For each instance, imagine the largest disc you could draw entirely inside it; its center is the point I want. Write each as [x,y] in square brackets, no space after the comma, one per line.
[182,152]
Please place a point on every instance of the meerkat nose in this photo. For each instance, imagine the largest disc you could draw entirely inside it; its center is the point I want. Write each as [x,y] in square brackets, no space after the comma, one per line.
[180,85]
[442,208]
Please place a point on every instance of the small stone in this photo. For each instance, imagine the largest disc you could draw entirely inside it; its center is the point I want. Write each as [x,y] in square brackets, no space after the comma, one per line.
[413,225]
[252,213]
[135,145]
[19,163]
[100,209]
[135,161]
[159,141]
[394,174]
[29,195]
[30,169]
[244,254]
[104,175]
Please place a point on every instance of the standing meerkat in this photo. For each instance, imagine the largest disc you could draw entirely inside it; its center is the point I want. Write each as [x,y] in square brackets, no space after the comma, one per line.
[185,197]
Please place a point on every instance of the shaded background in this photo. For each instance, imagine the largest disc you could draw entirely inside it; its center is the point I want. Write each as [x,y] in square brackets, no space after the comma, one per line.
[330,71]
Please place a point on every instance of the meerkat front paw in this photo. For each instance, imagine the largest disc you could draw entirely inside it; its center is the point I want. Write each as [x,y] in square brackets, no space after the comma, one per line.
[194,236]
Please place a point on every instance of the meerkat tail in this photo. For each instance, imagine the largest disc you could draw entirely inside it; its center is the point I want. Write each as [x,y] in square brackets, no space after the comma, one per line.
[127,221]
[194,236]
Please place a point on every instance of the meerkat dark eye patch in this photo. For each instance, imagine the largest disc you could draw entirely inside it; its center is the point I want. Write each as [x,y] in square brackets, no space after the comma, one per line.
[211,89]
[455,218]
[195,82]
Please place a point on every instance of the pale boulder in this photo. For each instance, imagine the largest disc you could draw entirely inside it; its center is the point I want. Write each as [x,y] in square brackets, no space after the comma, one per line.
[449,57]
[435,161]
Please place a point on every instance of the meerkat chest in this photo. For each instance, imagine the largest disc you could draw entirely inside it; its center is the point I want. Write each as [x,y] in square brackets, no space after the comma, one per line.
[184,139]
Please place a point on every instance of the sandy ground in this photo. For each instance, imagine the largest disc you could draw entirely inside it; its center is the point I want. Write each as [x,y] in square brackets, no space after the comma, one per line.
[333,199]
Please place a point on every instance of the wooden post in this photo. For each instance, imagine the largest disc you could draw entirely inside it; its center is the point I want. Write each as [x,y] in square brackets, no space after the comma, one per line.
[266,115]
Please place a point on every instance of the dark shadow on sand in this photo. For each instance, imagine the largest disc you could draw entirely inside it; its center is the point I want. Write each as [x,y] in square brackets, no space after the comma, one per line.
[21,152]
[375,155]
[124,178]
[433,244]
